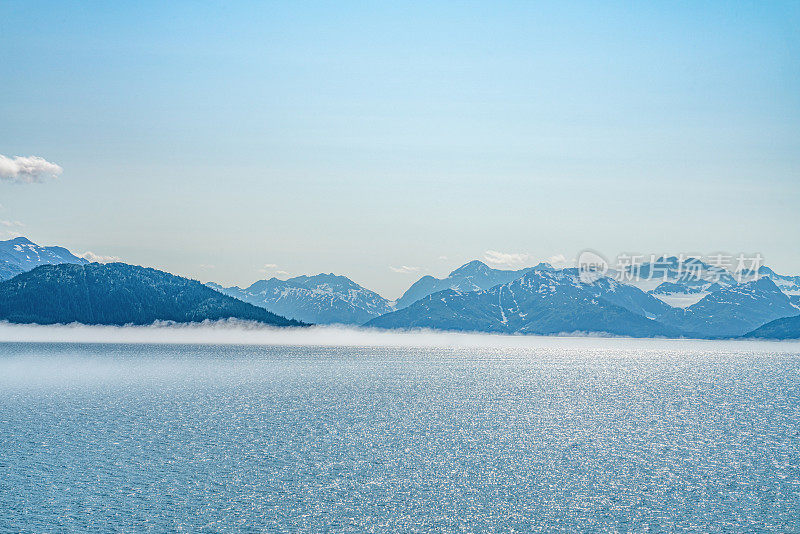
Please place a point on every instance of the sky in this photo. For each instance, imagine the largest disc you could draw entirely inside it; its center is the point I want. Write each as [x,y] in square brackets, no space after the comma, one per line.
[233,141]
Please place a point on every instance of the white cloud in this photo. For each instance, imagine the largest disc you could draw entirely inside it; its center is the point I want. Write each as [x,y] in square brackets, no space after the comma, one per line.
[97,258]
[511,260]
[27,170]
[518,260]
[10,229]
[559,261]
[404,269]
[272,269]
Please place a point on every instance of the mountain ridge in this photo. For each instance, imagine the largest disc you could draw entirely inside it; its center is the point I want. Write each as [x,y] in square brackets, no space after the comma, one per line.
[20,254]
[539,302]
[733,311]
[472,276]
[320,299]
[118,294]
[470,298]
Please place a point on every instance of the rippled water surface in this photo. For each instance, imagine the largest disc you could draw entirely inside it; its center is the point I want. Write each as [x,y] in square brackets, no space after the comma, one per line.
[593,437]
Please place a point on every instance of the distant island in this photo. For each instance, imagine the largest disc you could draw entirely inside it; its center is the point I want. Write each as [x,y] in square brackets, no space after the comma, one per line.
[50,285]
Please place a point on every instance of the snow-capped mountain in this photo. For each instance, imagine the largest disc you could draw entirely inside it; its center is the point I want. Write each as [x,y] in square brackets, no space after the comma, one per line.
[732,311]
[672,269]
[682,283]
[555,301]
[472,276]
[788,284]
[19,255]
[320,299]
[539,302]
[678,282]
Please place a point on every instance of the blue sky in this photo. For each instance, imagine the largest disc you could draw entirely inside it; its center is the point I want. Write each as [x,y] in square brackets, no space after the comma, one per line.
[234,140]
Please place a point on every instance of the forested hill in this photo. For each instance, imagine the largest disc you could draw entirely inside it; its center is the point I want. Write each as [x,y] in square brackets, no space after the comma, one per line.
[118,294]
[784,328]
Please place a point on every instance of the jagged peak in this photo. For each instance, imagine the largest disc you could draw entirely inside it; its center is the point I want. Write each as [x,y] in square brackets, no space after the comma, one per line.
[470,268]
[19,241]
[761,283]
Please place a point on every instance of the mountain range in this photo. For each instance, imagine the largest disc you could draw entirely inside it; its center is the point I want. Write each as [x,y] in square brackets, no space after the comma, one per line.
[50,284]
[541,301]
[321,299]
[679,282]
[472,276]
[732,311]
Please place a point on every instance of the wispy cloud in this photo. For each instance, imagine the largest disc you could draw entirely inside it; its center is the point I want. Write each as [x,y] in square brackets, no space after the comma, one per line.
[519,260]
[10,229]
[97,258]
[272,269]
[559,261]
[511,260]
[404,269]
[27,170]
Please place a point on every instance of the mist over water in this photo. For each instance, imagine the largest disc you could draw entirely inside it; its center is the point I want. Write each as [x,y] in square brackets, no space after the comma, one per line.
[231,428]
[233,331]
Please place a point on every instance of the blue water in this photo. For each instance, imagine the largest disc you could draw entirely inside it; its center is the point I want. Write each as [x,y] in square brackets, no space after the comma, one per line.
[698,438]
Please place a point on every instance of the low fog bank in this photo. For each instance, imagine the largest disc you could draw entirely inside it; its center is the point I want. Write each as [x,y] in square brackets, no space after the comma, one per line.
[248,333]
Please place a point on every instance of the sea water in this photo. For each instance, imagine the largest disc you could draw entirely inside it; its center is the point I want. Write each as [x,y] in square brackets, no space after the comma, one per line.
[565,436]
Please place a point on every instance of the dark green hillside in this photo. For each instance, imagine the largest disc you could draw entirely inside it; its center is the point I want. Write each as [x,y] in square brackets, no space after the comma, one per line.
[118,294]
[784,328]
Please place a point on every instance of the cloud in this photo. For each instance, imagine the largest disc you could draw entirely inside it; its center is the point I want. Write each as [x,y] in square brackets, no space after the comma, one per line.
[404,269]
[27,170]
[10,229]
[273,269]
[506,259]
[559,261]
[97,258]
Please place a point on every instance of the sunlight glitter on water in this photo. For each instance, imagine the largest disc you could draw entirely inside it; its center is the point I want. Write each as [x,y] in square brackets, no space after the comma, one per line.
[691,437]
